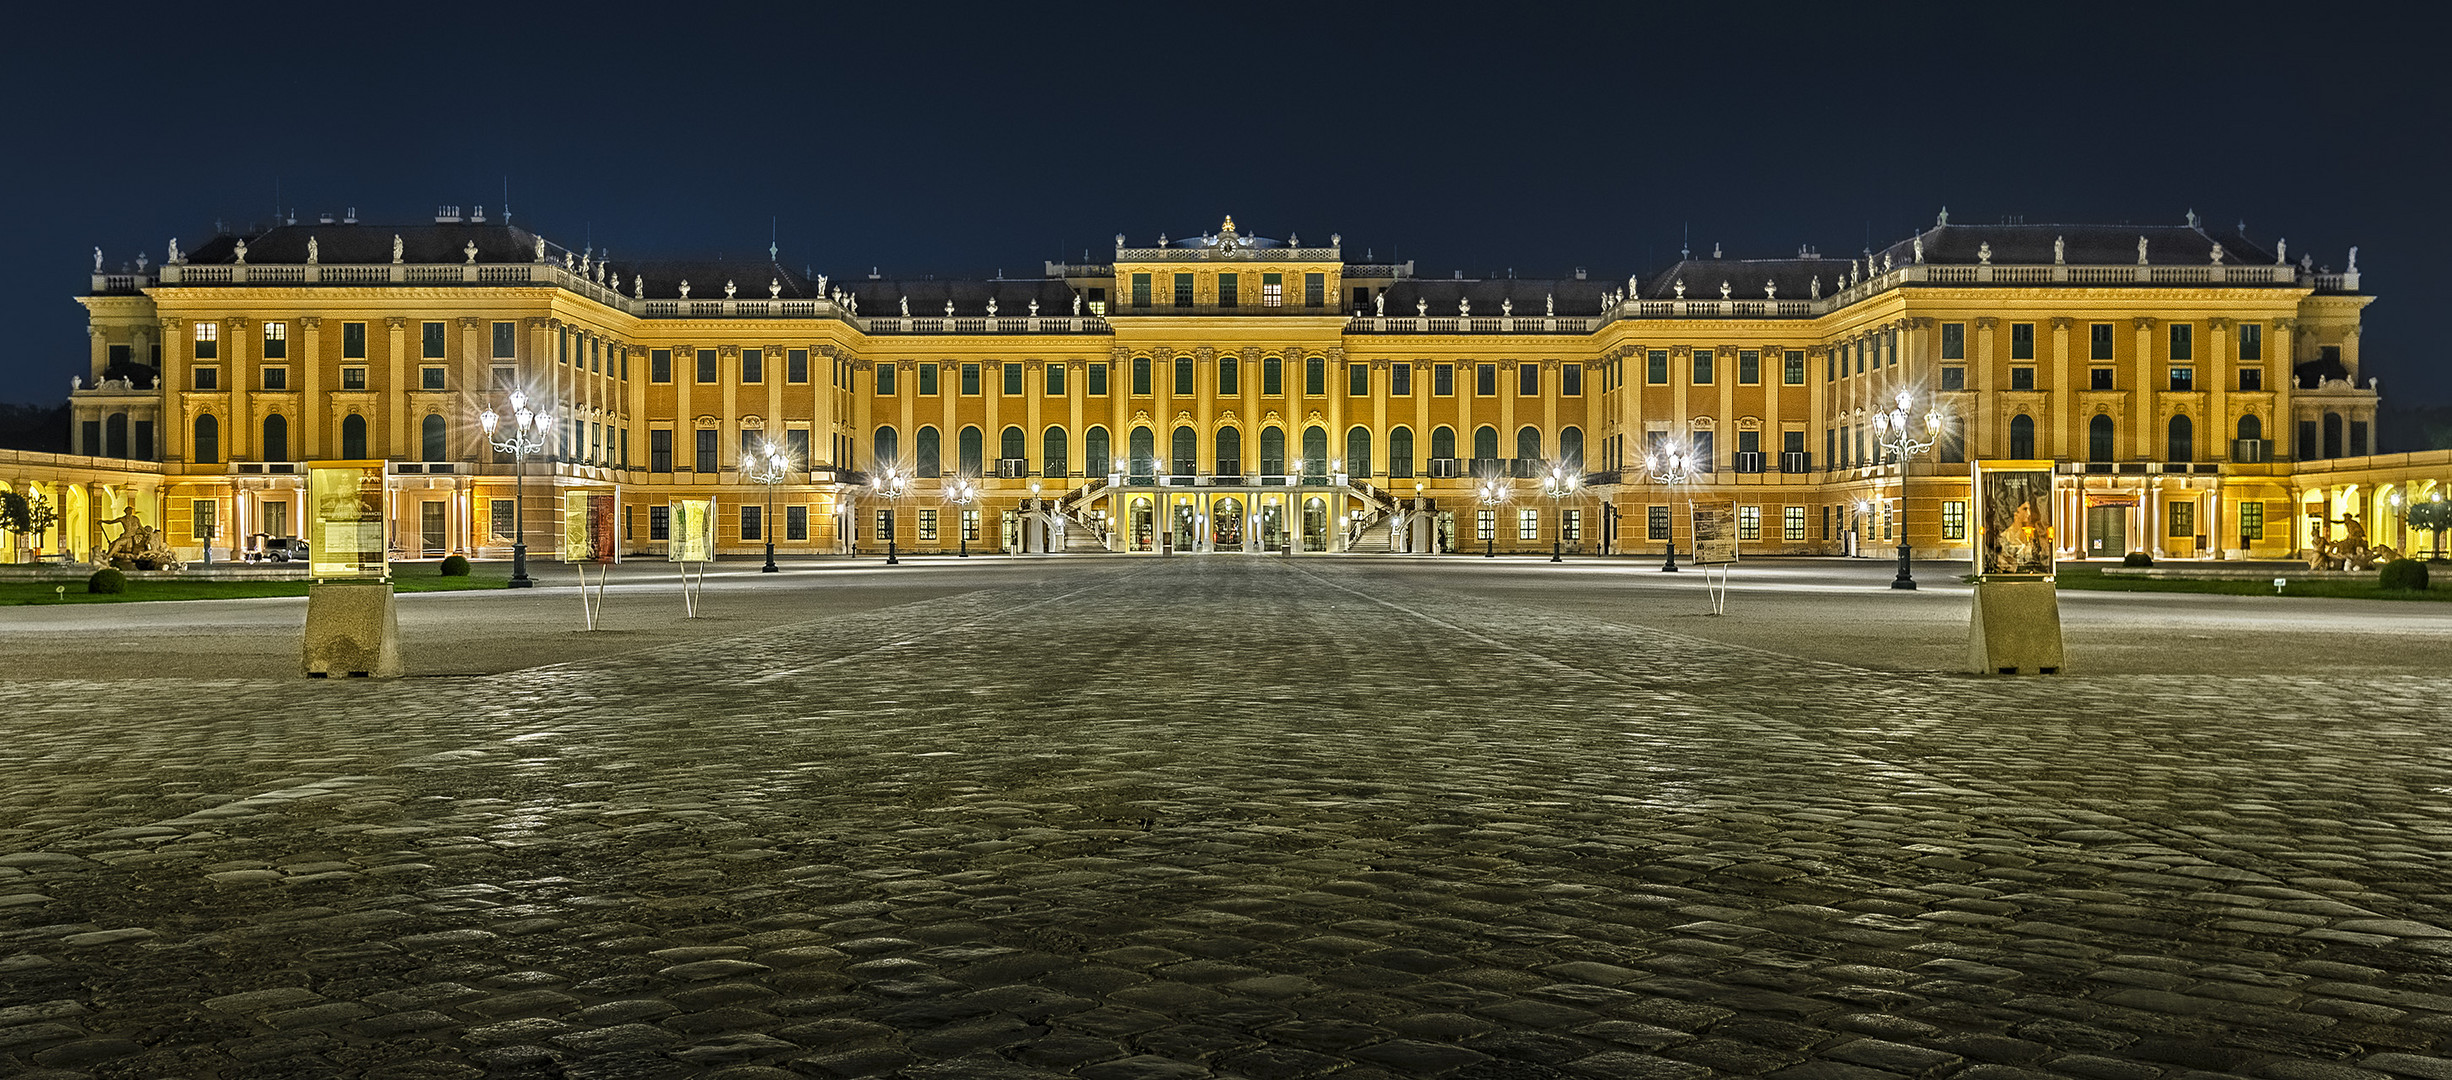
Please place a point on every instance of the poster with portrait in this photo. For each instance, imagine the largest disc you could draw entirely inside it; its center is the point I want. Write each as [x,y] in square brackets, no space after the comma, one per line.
[2013,507]
[587,527]
[349,538]
[1715,531]
[692,531]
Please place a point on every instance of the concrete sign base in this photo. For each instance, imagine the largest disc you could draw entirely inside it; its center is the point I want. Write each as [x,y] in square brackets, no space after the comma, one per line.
[352,628]
[2016,629]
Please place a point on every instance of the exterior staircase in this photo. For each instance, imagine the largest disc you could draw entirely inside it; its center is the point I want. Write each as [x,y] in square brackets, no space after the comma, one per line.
[1374,534]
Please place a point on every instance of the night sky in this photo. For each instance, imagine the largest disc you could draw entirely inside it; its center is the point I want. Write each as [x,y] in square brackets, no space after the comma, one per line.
[923,139]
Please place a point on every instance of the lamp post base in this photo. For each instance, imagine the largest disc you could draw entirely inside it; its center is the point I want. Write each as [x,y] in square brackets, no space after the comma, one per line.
[1669,564]
[1906,578]
[519,569]
[890,557]
[770,566]
[1554,550]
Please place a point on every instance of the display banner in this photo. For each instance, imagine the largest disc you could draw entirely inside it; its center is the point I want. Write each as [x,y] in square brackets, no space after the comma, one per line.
[349,538]
[588,527]
[1715,532]
[2013,506]
[692,531]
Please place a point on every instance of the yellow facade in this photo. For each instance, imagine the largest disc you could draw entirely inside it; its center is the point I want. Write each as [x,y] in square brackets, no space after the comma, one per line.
[1233,393]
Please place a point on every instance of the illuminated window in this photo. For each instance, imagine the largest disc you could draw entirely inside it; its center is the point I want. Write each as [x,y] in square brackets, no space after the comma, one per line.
[1954,519]
[1749,523]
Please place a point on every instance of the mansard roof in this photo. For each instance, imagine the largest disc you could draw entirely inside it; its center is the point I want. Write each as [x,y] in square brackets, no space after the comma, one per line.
[882,297]
[2083,245]
[344,244]
[1489,295]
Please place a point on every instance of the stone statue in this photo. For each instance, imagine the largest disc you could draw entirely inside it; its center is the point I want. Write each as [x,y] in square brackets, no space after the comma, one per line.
[2217,254]
[906,306]
[397,247]
[138,547]
[2354,261]
[1507,306]
[1421,307]
[76,383]
[1549,305]
[1379,304]
[2060,250]
[314,251]
[855,303]
[1680,286]
[1076,304]
[638,285]
[1944,219]
[1919,247]
[242,254]
[991,307]
[1885,262]
[1724,288]
[470,250]
[1983,253]
[2281,252]
[2351,552]
[949,309]
[173,259]
[540,249]
[1817,278]
[1770,289]
[1034,307]
[730,288]
[2141,251]
[97,260]
[821,283]
[1631,287]
[140,262]
[2192,217]
[685,288]
[1464,305]
[774,288]
[2307,261]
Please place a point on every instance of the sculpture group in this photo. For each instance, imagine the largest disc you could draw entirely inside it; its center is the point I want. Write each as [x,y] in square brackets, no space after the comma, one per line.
[2351,552]
[137,547]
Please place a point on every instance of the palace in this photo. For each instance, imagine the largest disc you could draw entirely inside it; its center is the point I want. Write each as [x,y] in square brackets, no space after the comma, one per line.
[2200,392]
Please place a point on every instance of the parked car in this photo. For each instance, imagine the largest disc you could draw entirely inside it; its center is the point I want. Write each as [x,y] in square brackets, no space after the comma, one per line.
[283,549]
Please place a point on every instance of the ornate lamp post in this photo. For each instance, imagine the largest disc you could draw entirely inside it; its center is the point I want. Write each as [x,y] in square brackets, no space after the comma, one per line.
[1893,432]
[890,485]
[962,493]
[1559,485]
[1670,465]
[1490,493]
[770,468]
[527,433]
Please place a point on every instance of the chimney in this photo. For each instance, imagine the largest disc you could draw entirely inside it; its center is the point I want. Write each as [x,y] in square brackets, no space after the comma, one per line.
[352,217]
[446,215]
[324,218]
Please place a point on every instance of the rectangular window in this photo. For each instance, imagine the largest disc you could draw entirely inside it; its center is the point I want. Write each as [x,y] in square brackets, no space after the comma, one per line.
[2251,521]
[276,378]
[430,377]
[1229,375]
[706,366]
[1954,376]
[506,341]
[1400,380]
[753,365]
[2100,378]
[2022,341]
[928,524]
[1013,379]
[353,341]
[208,339]
[562,340]
[1954,519]
[885,379]
[2251,378]
[1358,380]
[1702,367]
[1571,381]
[1860,358]
[796,369]
[1485,524]
[2022,377]
[659,365]
[201,513]
[1528,380]
[434,341]
[1272,377]
[660,451]
[1183,376]
[1443,380]
[1055,379]
[2099,341]
[1656,367]
[1830,367]
[1792,523]
[1792,363]
[1528,524]
[1953,341]
[1226,289]
[2182,519]
[1657,522]
[2183,341]
[276,341]
[1315,290]
[1749,367]
[885,524]
[1749,523]
[751,522]
[1272,290]
[1098,380]
[2183,378]
[796,446]
[927,372]
[353,377]
[1140,290]
[970,524]
[1183,290]
[1485,380]
[2251,341]
[1141,376]
[796,522]
[706,460]
[1315,376]
[1571,526]
[970,380]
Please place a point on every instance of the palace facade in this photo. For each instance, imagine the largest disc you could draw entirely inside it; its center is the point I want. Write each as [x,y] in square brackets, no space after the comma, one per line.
[2200,392]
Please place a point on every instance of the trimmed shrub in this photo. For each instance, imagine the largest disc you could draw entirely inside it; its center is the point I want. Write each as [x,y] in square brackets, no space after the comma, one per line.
[107,580]
[455,566]
[2137,558]
[2402,574]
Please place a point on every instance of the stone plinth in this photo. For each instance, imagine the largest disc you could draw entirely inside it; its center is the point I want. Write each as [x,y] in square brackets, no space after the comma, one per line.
[2015,629]
[352,628]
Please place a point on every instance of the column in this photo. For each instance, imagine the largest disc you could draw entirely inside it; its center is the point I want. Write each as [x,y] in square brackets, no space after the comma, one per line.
[2142,369]
[1681,374]
[2064,386]
[991,429]
[778,367]
[1334,370]
[311,418]
[396,393]
[176,425]
[949,437]
[238,429]
[2214,428]
[728,374]
[1382,376]
[1034,391]
[1076,426]
[685,419]
[1248,380]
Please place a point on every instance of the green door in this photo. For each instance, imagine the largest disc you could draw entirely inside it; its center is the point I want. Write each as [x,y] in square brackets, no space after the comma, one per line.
[2106,532]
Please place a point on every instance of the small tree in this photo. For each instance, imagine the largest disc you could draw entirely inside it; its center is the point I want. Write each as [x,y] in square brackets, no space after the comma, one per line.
[26,515]
[2434,515]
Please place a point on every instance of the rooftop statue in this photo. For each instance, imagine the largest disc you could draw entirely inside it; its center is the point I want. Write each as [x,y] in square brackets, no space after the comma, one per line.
[1421,307]
[173,260]
[1076,303]
[1507,306]
[905,301]
[949,309]
[2354,261]
[242,253]
[1549,304]
[1680,286]
[1817,282]
[1034,307]
[2141,251]
[470,250]
[730,288]
[314,251]
[1464,305]
[992,300]
[1379,303]
[685,288]
[774,288]
[397,247]
[1770,289]
[1983,253]
[1944,219]
[2217,254]
[540,249]
[2281,252]
[97,260]
[1724,290]
[1919,247]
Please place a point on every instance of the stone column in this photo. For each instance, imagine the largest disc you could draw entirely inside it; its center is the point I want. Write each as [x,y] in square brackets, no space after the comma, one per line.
[2064,385]
[728,375]
[310,360]
[2141,392]
[1034,437]
[395,397]
[2282,427]
[1204,396]
[1076,426]
[2214,428]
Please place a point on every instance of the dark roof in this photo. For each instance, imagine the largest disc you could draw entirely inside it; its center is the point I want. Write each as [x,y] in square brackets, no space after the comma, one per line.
[1746,278]
[367,244]
[1489,294]
[663,278]
[970,296]
[2084,245]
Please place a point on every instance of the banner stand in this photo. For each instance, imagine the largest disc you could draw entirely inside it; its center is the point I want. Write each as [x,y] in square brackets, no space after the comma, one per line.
[592,604]
[588,536]
[690,585]
[691,540]
[1714,539]
[1715,586]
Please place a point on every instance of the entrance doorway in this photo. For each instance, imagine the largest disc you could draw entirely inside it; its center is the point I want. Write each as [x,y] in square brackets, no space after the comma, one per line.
[1315,524]
[1226,524]
[1144,525]
[2106,531]
[430,528]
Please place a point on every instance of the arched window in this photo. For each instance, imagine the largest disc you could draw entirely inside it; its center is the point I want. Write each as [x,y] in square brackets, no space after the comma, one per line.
[276,438]
[2251,428]
[1229,452]
[2332,434]
[1051,452]
[2183,439]
[1272,451]
[1443,442]
[1009,444]
[1528,443]
[967,449]
[1400,452]
[1358,452]
[2022,437]
[1571,448]
[207,443]
[432,439]
[115,435]
[888,448]
[928,464]
[1142,458]
[1315,452]
[2099,444]
[1185,461]
[353,437]
[1485,442]
[1096,455]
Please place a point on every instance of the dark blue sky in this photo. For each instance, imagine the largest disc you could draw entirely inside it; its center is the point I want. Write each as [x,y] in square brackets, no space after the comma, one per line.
[1479,140]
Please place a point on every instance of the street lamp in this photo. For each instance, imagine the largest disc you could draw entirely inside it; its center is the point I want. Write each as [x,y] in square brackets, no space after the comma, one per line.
[1893,432]
[769,467]
[527,433]
[1670,466]
[890,485]
[1491,493]
[1558,485]
[962,494]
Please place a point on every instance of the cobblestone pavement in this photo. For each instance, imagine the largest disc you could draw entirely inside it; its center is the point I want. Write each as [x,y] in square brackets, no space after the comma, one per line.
[1231,818]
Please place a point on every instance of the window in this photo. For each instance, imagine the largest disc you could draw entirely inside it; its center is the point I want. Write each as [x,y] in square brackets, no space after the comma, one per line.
[1400,380]
[276,341]
[1656,367]
[201,513]
[1749,367]
[1485,380]
[2099,378]
[1098,380]
[1315,376]
[753,365]
[1485,524]
[706,456]
[1528,524]
[1953,519]
[1183,290]
[1053,460]
[353,341]
[751,523]
[1656,522]
[353,377]
[1953,341]
[1358,380]
[2183,378]
[2022,341]
[2251,378]
[706,366]
[1860,358]
[660,451]
[353,437]
[1571,526]
[929,462]
[970,524]
[2251,521]
[1315,289]
[659,362]
[2183,341]
[506,342]
[1792,364]
[2099,341]
[1055,379]
[276,378]
[1183,376]
[433,438]
[1272,290]
[2022,377]
[796,447]
[1792,523]
[2181,518]
[927,372]
[796,369]
[1272,377]
[1443,380]
[796,522]
[1528,380]
[433,341]
[1571,381]
[2251,341]
[1226,289]
[885,375]
[562,341]
[970,380]
[431,377]
[1140,376]
[2022,437]
[1953,376]
[1702,367]
[2100,444]
[1140,290]
[1012,379]
[208,339]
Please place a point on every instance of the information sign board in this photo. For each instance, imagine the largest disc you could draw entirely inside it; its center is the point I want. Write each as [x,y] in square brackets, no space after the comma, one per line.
[349,539]
[1715,531]
[587,527]
[692,531]
[2014,508]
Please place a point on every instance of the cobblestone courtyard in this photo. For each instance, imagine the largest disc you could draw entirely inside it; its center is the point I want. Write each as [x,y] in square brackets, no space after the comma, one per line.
[1233,818]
